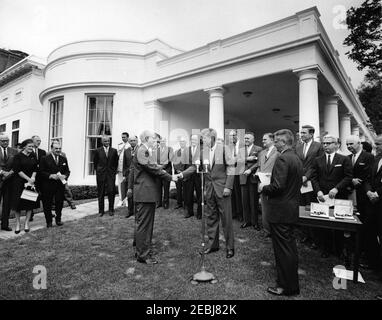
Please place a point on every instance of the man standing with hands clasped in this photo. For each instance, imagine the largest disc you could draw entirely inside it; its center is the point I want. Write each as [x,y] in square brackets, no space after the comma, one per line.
[282,197]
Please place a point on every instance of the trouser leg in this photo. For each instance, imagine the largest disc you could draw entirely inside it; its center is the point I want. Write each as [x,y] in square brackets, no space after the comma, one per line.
[212,222]
[225,213]
[144,228]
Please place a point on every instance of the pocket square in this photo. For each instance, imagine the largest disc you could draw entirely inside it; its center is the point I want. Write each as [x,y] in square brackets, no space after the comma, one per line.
[338,165]
[64,164]
[362,164]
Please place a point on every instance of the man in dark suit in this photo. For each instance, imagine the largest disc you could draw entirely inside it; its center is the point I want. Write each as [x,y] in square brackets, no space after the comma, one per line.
[6,179]
[233,148]
[374,193]
[54,171]
[193,182]
[250,197]
[146,194]
[307,151]
[362,163]
[105,163]
[181,163]
[164,156]
[39,153]
[133,140]
[218,186]
[282,197]
[332,175]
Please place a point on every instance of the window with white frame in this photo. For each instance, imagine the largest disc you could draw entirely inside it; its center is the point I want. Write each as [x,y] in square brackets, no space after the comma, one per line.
[99,123]
[56,120]
[3,127]
[15,133]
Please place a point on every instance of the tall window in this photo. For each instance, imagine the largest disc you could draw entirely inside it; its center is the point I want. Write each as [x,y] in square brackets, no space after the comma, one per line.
[3,127]
[99,123]
[15,133]
[56,114]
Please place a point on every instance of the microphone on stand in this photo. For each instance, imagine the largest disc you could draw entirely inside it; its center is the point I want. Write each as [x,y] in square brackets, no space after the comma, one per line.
[206,162]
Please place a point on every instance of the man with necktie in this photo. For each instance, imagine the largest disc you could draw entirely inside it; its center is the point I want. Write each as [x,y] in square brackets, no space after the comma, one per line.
[374,193]
[362,163]
[164,156]
[130,176]
[55,172]
[121,181]
[181,162]
[105,163]
[6,179]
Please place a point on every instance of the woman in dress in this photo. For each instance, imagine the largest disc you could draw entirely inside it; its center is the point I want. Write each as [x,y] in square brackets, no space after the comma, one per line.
[25,168]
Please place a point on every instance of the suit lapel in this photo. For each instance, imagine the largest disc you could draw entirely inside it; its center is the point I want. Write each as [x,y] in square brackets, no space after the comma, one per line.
[334,162]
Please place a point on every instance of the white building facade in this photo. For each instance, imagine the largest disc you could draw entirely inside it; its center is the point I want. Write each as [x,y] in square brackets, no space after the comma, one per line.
[282,75]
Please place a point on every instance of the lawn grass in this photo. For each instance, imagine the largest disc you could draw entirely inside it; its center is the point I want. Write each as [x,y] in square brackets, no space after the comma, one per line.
[93,258]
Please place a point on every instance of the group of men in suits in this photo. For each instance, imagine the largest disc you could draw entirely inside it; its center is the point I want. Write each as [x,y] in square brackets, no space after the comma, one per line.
[53,188]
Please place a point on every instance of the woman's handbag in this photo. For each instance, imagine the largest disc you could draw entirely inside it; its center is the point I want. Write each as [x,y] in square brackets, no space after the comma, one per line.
[29,194]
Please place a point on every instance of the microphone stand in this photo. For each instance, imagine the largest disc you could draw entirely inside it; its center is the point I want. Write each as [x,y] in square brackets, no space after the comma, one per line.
[203,275]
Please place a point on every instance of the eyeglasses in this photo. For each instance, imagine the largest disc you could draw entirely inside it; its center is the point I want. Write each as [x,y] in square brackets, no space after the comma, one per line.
[326,143]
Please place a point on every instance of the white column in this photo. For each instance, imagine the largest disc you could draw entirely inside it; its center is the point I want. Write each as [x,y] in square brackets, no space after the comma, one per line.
[355,130]
[308,100]
[331,124]
[216,112]
[345,131]
[153,115]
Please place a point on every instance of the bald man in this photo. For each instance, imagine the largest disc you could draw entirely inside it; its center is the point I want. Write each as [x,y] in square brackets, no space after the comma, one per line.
[362,163]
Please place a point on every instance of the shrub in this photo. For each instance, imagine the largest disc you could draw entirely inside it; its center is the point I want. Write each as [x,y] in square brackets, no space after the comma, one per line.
[81,192]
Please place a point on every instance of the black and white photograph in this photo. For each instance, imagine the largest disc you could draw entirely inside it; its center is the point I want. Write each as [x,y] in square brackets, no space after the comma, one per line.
[191,154]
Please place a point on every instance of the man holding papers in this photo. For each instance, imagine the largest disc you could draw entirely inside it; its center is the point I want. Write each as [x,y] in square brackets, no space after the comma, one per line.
[332,175]
[54,171]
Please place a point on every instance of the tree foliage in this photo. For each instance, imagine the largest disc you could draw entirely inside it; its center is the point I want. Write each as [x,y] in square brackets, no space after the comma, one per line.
[365,36]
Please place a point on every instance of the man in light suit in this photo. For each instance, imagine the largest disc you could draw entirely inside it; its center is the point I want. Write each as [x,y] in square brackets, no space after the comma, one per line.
[146,194]
[105,163]
[362,163]
[282,195]
[374,193]
[181,163]
[121,180]
[265,163]
[307,151]
[165,154]
[248,183]
[332,175]
[6,179]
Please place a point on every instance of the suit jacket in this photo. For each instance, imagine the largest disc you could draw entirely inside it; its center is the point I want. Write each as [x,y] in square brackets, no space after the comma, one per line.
[48,166]
[220,173]
[6,165]
[164,157]
[248,164]
[266,165]
[106,167]
[127,160]
[362,170]
[41,153]
[283,193]
[181,160]
[375,182]
[315,150]
[146,171]
[339,176]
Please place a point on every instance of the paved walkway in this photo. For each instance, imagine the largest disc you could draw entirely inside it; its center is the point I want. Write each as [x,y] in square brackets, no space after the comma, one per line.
[82,210]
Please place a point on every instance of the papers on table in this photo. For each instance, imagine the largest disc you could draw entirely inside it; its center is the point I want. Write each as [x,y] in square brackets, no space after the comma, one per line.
[327,201]
[307,188]
[319,210]
[343,212]
[265,177]
[346,274]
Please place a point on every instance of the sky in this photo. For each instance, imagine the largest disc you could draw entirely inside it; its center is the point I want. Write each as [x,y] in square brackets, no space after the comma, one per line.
[37,27]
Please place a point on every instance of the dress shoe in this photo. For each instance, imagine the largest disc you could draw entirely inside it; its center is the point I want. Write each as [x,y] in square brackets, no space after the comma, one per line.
[256,227]
[6,228]
[178,206]
[148,261]
[26,230]
[111,213]
[17,231]
[245,225]
[73,206]
[188,215]
[49,225]
[209,250]
[230,253]
[278,291]
[129,214]
[59,223]
[31,219]
[101,214]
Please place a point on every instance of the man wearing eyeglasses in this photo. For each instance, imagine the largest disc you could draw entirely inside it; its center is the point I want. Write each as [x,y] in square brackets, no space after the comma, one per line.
[332,175]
